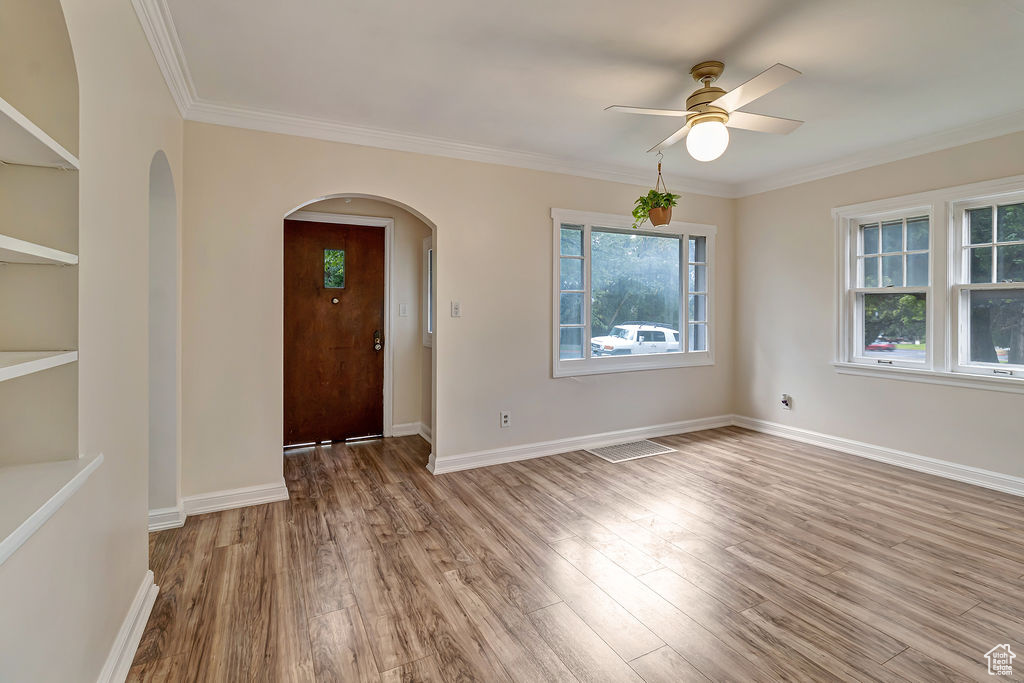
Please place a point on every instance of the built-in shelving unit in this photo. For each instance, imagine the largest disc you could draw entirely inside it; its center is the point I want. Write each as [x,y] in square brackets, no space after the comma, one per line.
[13,250]
[40,466]
[23,142]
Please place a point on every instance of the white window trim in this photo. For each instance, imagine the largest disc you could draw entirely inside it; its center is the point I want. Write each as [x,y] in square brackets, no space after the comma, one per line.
[427,292]
[850,322]
[598,366]
[945,316]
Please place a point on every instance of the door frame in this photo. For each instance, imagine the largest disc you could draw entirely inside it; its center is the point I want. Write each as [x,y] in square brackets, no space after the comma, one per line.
[389,235]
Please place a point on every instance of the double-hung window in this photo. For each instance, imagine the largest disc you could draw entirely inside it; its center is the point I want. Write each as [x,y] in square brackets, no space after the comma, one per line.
[989,290]
[628,299]
[889,289]
[931,286]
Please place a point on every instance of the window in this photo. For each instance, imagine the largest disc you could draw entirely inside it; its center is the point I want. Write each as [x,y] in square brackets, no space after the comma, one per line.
[334,269]
[428,291]
[623,297]
[931,286]
[890,286]
[990,286]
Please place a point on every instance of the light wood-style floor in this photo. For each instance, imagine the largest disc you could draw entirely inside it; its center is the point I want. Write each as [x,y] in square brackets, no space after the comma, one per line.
[743,557]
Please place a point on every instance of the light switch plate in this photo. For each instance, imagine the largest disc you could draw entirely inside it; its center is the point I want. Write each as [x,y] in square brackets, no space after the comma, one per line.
[403,310]
[456,309]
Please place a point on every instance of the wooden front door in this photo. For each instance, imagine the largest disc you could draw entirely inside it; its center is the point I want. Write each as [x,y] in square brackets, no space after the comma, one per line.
[333,331]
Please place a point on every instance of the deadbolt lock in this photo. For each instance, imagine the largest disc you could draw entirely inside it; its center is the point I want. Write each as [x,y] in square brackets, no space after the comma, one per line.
[377,344]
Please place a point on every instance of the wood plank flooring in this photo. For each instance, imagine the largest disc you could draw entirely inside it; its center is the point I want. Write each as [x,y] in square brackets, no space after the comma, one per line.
[743,557]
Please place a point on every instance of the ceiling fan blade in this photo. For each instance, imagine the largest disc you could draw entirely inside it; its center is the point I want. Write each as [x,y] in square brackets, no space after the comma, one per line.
[758,86]
[671,139]
[762,123]
[644,110]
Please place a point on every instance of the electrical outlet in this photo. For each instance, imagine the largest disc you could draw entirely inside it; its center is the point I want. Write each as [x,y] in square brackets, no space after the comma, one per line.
[456,309]
[505,419]
[787,402]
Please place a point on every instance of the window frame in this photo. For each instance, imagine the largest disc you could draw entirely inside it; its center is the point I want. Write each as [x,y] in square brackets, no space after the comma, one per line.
[428,312]
[947,317]
[852,321]
[960,291]
[589,365]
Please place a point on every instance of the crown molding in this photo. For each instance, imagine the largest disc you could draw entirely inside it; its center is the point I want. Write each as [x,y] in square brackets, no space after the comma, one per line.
[158,27]
[933,142]
[302,126]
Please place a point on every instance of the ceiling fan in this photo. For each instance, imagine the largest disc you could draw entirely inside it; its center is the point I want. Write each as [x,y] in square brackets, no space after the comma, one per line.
[710,109]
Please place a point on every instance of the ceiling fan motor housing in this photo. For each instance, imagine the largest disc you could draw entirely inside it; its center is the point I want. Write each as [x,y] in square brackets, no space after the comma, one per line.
[701,99]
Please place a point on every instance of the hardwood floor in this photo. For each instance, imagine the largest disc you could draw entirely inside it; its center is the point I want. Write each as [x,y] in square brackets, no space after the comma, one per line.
[743,557]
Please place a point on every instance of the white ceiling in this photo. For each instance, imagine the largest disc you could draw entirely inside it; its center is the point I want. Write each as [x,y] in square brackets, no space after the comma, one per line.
[535,75]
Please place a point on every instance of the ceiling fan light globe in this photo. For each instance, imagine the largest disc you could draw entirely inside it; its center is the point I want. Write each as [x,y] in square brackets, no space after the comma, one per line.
[707,140]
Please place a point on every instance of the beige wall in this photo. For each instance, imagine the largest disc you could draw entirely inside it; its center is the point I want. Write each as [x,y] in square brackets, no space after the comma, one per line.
[406,285]
[65,593]
[493,245]
[785,280]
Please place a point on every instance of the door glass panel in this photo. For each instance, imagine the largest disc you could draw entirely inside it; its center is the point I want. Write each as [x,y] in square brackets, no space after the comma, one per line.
[334,268]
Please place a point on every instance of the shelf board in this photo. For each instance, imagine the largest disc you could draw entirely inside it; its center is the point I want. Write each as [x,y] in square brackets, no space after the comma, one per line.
[13,250]
[19,363]
[23,142]
[30,494]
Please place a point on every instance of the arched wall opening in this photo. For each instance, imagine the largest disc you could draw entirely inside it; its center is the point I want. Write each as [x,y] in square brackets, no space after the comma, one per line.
[411,389]
[164,348]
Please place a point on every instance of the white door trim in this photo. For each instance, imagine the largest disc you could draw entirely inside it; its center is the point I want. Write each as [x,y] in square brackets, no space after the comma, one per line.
[389,239]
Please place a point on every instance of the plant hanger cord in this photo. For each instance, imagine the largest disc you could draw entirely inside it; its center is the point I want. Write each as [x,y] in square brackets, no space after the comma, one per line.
[660,182]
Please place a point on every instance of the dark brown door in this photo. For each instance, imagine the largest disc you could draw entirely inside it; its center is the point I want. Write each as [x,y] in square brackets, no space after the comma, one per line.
[333,331]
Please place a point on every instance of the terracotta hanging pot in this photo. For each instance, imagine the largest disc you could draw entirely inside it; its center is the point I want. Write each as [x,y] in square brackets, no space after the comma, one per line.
[660,216]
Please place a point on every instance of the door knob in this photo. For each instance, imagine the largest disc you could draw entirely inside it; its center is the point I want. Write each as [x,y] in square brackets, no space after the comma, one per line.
[377,345]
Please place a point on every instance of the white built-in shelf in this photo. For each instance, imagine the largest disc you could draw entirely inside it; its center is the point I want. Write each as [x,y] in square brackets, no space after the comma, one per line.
[13,250]
[30,494]
[23,142]
[19,363]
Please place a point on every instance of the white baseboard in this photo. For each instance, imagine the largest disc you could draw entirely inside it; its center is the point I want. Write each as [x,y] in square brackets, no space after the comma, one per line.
[406,429]
[119,661]
[465,461]
[167,518]
[941,468]
[235,498]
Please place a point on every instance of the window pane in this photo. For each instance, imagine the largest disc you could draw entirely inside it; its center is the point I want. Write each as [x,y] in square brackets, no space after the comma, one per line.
[572,309]
[980,225]
[570,343]
[917,234]
[917,270]
[892,271]
[572,273]
[1010,262]
[892,236]
[698,307]
[635,279]
[871,271]
[981,264]
[698,278]
[895,326]
[698,250]
[1010,221]
[698,337]
[997,326]
[870,239]
[572,240]
[334,268]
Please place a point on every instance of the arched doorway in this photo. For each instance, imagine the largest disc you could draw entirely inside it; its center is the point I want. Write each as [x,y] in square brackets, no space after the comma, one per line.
[406,403]
[165,509]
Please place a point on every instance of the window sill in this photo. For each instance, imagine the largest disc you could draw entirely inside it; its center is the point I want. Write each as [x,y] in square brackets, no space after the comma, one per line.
[610,365]
[1013,385]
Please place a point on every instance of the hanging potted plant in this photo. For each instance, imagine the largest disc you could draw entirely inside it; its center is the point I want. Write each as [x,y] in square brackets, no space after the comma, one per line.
[656,205]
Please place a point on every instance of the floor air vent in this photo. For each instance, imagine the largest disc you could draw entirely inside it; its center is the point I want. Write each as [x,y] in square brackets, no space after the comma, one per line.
[630,451]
